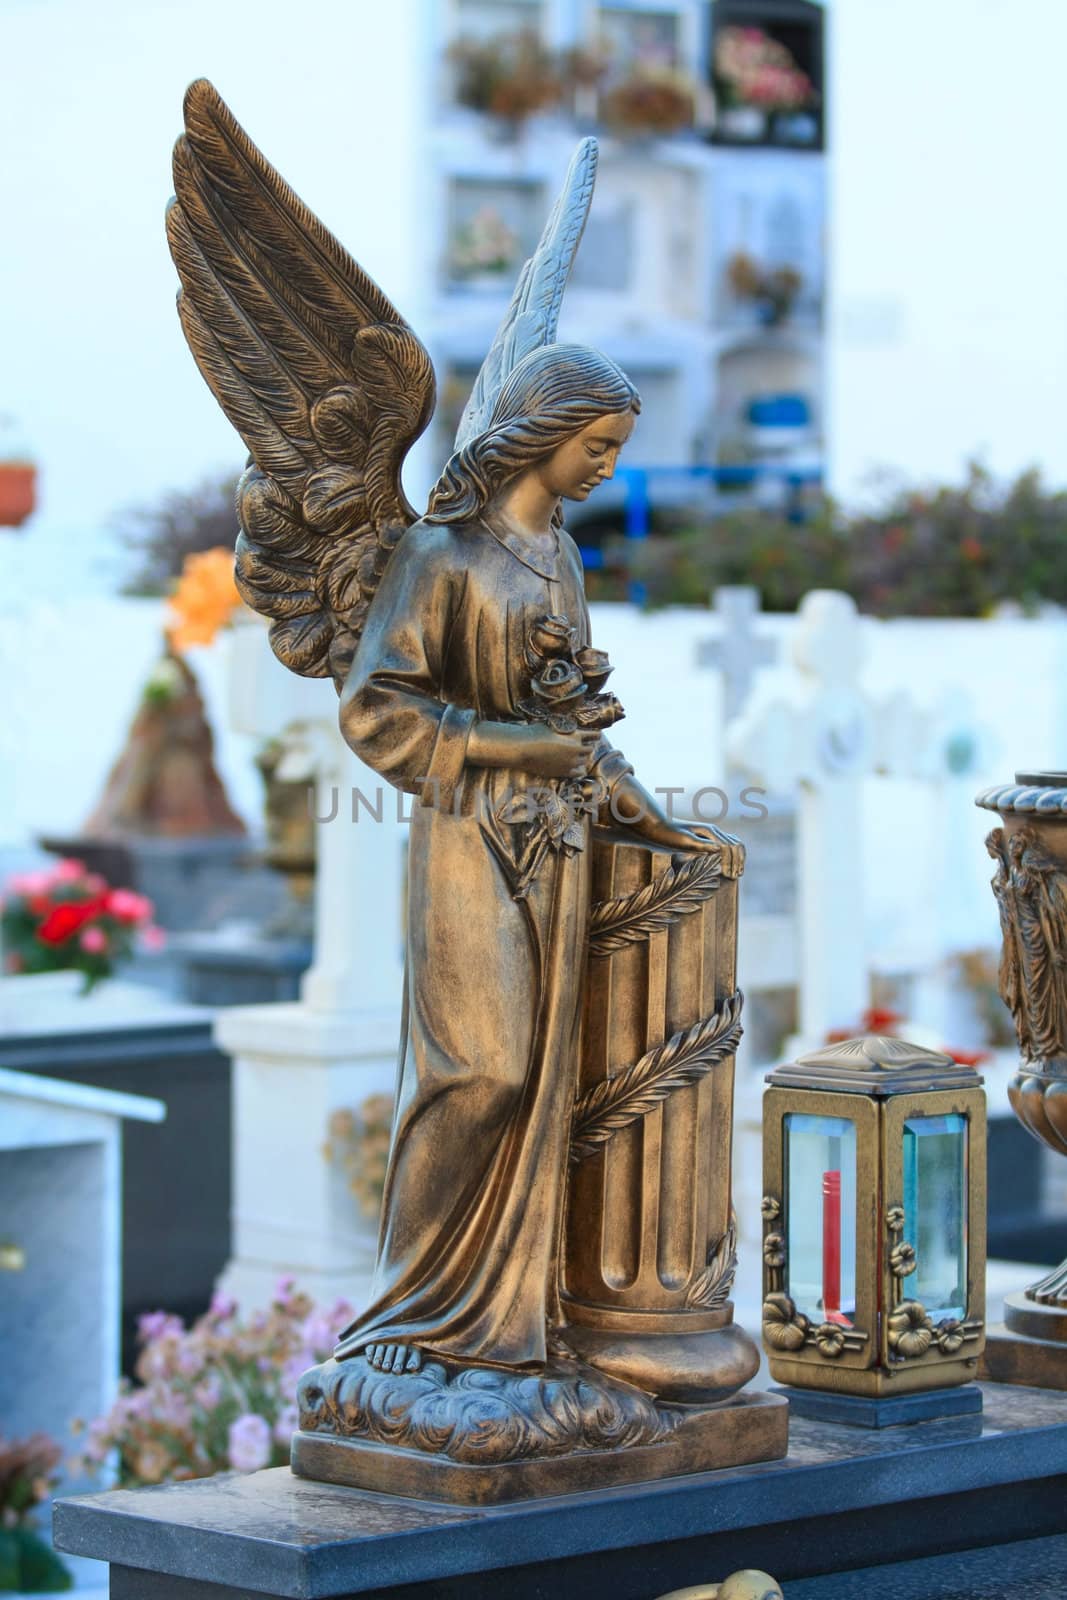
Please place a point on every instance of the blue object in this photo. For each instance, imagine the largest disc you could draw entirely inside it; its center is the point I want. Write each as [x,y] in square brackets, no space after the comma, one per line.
[779,411]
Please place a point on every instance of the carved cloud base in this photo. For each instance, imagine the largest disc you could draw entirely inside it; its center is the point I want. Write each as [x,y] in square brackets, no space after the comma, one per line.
[482,1436]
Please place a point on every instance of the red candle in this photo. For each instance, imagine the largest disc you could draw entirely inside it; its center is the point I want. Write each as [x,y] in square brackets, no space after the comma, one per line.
[831,1249]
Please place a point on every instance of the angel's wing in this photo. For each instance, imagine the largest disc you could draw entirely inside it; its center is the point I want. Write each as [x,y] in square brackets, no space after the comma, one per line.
[317,371]
[532,316]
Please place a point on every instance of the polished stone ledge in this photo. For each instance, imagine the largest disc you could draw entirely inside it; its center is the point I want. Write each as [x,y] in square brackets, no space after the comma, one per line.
[843,1498]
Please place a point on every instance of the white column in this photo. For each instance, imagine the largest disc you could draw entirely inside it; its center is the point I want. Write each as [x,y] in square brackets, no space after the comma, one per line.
[295,1065]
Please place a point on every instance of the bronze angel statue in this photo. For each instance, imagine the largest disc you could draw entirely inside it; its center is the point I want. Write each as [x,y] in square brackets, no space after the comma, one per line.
[459,645]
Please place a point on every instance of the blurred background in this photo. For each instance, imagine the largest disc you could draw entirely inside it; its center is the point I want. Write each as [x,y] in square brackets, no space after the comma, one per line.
[831,569]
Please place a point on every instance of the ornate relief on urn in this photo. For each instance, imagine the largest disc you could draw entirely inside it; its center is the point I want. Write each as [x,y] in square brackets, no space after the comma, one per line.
[551,1304]
[1030,885]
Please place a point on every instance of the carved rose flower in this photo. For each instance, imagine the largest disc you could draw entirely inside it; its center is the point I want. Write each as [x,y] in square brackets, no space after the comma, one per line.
[551,636]
[910,1332]
[784,1328]
[949,1335]
[595,667]
[770,1210]
[559,682]
[902,1260]
[894,1219]
[774,1250]
[829,1340]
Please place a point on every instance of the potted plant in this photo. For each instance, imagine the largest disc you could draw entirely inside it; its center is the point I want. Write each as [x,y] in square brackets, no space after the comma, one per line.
[66,919]
[28,1565]
[509,77]
[773,291]
[756,77]
[484,249]
[219,1396]
[651,100]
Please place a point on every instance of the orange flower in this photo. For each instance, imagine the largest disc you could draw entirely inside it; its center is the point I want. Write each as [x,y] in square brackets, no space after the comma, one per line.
[205,598]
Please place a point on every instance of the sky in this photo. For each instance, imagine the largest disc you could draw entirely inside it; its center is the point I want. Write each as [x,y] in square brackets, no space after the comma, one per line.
[948,314]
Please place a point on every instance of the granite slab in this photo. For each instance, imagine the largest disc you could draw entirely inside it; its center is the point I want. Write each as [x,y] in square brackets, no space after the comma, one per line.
[843,1498]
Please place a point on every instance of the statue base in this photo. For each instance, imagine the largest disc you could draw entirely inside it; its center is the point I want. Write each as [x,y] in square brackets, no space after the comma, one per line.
[486,1436]
[1029,1347]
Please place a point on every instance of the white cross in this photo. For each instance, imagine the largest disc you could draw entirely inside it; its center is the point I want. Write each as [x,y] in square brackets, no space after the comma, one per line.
[813,728]
[737,651]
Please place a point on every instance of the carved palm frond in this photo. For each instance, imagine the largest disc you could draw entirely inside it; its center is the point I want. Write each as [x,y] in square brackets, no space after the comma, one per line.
[710,1289]
[531,319]
[317,371]
[675,893]
[685,1058]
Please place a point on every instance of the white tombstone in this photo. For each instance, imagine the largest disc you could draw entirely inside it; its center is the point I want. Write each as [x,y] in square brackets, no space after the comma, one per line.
[738,651]
[297,1063]
[60,1216]
[814,729]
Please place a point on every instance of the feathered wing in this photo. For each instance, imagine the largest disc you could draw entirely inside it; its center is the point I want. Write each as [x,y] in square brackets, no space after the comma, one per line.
[317,371]
[532,316]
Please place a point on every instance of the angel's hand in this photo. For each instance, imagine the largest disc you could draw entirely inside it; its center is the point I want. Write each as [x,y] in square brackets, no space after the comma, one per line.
[700,837]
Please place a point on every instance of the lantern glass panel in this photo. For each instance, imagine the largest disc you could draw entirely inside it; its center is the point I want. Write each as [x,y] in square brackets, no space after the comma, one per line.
[935,1212]
[820,1164]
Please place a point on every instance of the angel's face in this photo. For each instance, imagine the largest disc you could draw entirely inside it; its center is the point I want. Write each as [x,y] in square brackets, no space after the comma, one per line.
[574,469]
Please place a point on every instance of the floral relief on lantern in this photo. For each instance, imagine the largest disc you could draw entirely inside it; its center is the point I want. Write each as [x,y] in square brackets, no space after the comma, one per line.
[873,1218]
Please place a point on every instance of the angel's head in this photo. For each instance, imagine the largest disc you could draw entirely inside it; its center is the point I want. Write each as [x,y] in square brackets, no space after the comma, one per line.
[565,411]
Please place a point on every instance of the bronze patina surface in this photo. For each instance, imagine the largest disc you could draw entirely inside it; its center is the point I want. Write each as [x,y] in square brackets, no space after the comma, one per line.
[890,1345]
[1030,885]
[557,1243]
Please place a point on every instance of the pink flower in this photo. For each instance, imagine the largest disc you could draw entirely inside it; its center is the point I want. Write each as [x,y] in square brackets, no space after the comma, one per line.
[93,941]
[153,938]
[128,906]
[250,1446]
[158,1325]
[30,883]
[66,872]
[286,1425]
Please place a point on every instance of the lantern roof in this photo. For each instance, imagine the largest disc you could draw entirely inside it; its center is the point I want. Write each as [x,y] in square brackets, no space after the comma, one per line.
[875,1065]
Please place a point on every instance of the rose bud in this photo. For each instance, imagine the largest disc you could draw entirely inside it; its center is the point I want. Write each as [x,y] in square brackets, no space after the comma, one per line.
[600,712]
[560,682]
[551,636]
[595,667]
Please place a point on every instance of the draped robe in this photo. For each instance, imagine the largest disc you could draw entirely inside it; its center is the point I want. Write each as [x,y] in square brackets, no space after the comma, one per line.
[467,1255]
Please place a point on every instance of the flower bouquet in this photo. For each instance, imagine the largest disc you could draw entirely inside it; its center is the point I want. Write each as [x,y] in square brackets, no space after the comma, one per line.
[756,76]
[215,1397]
[511,76]
[27,1474]
[67,917]
[652,100]
[566,692]
[484,245]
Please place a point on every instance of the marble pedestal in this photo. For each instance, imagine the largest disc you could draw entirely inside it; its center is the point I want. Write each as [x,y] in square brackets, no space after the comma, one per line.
[294,1214]
[60,1191]
[842,1501]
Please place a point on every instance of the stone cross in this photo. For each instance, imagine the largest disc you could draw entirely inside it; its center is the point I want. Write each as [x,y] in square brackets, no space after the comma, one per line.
[737,651]
[813,729]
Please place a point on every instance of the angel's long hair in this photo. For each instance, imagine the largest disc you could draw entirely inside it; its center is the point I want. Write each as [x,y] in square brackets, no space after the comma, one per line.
[553,393]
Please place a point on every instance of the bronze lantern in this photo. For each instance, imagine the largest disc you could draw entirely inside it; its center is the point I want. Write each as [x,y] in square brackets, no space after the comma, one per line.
[874,1166]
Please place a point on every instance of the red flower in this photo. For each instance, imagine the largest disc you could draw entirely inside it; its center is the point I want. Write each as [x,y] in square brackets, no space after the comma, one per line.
[972,549]
[968,1058]
[879,1019]
[65,920]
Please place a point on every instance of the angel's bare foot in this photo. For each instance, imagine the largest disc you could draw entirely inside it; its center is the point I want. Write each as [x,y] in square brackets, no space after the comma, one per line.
[394,1357]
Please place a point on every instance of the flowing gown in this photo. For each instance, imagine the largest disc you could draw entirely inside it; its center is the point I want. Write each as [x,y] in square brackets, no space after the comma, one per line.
[467,1255]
